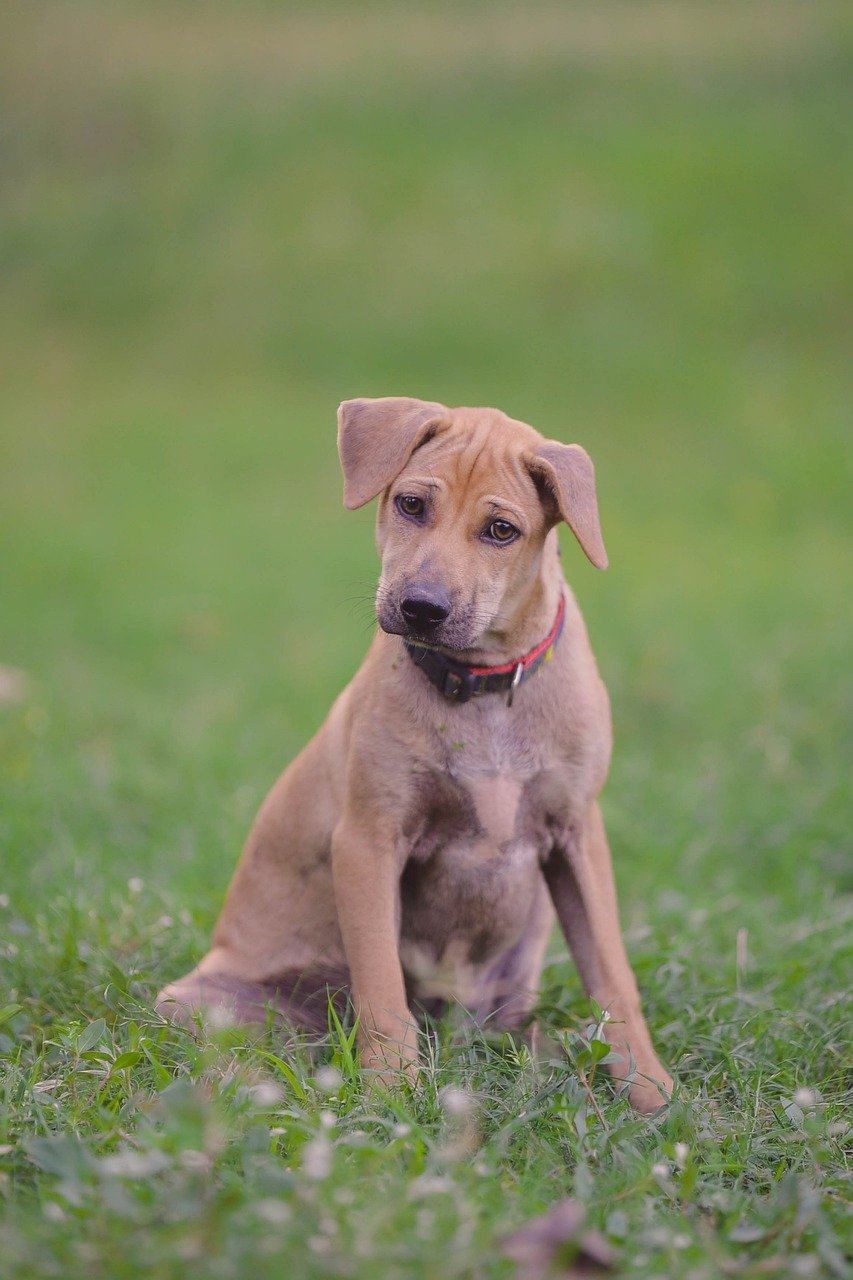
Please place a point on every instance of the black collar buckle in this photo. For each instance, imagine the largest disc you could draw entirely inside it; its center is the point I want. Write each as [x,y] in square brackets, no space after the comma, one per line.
[459,686]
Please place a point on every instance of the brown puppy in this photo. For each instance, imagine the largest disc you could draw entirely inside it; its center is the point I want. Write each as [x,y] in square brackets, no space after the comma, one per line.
[414,851]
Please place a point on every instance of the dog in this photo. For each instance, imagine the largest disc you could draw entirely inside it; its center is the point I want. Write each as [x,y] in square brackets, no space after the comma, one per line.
[417,849]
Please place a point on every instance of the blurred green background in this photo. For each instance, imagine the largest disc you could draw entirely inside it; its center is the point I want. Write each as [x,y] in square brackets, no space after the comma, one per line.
[625,223]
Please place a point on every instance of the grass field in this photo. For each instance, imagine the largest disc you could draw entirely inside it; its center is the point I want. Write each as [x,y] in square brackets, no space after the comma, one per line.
[625,223]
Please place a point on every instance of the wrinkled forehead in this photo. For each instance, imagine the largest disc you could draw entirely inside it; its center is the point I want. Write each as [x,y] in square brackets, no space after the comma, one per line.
[477,452]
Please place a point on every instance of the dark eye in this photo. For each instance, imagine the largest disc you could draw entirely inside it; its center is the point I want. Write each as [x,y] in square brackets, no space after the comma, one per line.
[410,505]
[501,531]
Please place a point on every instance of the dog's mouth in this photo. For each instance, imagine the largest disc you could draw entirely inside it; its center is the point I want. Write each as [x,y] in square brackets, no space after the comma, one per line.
[431,641]
[454,635]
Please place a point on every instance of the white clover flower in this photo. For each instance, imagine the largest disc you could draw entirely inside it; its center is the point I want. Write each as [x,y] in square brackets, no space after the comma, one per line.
[807,1265]
[682,1151]
[136,884]
[266,1093]
[805,1098]
[275,1212]
[134,1164]
[195,1161]
[429,1186]
[317,1159]
[456,1102]
[219,1017]
[328,1079]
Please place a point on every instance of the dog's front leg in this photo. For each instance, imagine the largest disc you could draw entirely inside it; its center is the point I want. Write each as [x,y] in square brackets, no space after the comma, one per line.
[579,874]
[367,890]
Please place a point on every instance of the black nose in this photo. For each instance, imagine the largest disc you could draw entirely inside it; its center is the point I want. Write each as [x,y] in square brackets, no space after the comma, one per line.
[424,608]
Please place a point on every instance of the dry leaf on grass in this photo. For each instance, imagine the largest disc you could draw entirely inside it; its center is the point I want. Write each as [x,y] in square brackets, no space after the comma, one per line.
[554,1245]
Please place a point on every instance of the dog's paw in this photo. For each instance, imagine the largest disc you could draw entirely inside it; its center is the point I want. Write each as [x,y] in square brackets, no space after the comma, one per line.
[389,1072]
[650,1093]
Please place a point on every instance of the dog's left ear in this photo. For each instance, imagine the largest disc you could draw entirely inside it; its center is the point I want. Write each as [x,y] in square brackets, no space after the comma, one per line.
[376,438]
[567,476]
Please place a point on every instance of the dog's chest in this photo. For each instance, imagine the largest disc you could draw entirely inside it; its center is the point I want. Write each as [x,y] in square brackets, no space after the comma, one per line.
[475,832]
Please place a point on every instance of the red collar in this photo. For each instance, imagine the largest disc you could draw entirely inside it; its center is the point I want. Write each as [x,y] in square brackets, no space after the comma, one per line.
[459,681]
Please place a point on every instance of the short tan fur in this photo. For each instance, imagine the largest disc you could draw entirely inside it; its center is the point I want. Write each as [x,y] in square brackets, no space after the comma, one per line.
[416,850]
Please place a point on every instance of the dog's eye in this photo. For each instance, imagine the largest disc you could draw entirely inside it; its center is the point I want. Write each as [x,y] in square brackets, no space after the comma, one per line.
[501,531]
[410,505]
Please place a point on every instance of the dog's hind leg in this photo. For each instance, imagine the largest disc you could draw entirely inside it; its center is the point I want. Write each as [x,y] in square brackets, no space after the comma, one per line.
[300,999]
[276,944]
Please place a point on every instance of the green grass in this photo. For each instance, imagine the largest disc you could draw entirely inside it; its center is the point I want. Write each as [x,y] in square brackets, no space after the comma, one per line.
[627,224]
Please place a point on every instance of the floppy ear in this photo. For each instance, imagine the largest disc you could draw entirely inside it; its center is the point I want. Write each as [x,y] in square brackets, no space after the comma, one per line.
[376,438]
[568,477]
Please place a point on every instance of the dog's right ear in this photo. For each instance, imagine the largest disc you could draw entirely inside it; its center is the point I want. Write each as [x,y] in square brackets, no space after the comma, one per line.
[376,438]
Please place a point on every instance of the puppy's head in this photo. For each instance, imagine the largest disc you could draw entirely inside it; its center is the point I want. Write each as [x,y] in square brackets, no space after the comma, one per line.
[468,498]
